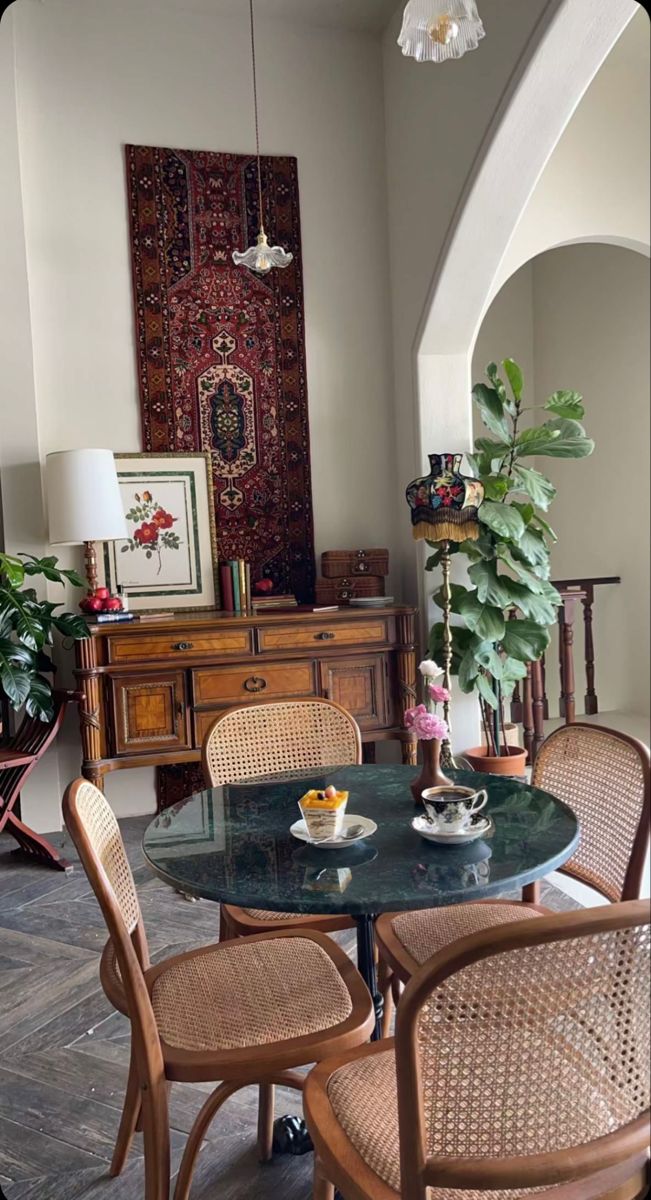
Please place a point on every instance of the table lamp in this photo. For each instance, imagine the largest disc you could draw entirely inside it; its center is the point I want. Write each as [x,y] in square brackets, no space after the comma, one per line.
[84,503]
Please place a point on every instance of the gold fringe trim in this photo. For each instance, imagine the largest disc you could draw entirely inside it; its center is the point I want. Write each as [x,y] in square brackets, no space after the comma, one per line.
[445,531]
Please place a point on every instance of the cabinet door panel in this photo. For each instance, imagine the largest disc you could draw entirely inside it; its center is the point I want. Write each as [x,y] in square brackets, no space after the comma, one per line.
[358,684]
[150,713]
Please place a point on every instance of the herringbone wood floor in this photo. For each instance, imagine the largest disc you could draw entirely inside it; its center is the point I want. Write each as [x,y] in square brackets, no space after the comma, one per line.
[64,1052]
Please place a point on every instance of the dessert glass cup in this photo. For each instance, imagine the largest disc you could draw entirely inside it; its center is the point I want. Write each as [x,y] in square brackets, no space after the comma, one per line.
[323,816]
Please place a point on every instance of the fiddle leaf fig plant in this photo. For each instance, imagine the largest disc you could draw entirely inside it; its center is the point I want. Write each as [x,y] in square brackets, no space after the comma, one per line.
[510,605]
[26,631]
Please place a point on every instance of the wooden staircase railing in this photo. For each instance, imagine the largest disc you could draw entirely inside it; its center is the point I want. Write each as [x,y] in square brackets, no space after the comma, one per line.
[531,706]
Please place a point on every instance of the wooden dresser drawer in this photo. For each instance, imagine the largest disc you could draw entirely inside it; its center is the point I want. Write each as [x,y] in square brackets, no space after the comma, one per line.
[233,685]
[173,645]
[326,636]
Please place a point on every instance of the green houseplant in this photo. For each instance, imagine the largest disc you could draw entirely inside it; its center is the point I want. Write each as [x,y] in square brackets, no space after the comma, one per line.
[510,605]
[26,631]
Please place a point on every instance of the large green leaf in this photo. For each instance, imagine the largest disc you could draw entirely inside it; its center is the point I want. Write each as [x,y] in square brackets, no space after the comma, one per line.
[71,625]
[526,511]
[541,491]
[536,440]
[456,594]
[495,486]
[462,638]
[568,440]
[483,619]
[486,691]
[503,519]
[491,410]
[566,404]
[15,683]
[489,658]
[468,671]
[12,569]
[541,524]
[19,606]
[525,640]
[491,588]
[540,608]
[492,373]
[492,450]
[541,568]
[39,702]
[515,378]
[533,548]
[506,554]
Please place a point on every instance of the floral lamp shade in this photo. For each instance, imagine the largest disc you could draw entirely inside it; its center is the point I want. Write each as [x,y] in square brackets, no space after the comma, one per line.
[444,504]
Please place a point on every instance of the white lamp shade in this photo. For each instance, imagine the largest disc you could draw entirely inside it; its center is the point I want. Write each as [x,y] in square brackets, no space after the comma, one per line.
[83,497]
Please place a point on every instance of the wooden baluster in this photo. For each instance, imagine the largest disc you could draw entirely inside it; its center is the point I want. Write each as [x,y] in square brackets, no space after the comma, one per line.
[537,704]
[567,650]
[543,667]
[591,698]
[561,659]
[527,714]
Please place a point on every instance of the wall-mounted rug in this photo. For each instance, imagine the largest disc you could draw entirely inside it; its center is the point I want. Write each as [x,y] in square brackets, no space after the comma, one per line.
[221,350]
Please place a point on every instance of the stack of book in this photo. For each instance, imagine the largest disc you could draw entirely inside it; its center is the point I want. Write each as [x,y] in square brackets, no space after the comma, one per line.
[260,603]
[235,580]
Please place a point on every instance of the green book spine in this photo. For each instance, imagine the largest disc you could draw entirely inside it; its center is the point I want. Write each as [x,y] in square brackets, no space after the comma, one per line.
[234,566]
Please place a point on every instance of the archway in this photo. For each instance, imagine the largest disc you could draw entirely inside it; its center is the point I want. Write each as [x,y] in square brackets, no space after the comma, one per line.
[526,129]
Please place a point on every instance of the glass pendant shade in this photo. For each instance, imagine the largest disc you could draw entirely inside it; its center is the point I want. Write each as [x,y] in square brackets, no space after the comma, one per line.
[262,257]
[435,30]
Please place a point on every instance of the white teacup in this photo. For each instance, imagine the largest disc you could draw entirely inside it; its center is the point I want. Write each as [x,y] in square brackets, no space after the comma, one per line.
[452,808]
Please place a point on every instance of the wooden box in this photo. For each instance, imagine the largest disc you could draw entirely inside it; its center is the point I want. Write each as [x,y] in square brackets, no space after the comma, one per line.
[342,591]
[340,564]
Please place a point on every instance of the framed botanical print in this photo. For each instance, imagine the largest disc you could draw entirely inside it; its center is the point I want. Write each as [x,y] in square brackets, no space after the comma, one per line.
[169,560]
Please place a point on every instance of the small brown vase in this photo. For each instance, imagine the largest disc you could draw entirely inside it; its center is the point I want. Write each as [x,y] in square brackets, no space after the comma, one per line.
[431,775]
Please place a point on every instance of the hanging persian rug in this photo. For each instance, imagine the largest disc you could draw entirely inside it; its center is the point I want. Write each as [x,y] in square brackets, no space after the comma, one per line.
[221,350]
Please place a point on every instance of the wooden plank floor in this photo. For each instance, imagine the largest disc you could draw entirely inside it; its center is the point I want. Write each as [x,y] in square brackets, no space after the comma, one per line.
[64,1051]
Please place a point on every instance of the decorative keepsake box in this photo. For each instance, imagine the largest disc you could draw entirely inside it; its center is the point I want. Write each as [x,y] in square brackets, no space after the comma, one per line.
[338,564]
[342,591]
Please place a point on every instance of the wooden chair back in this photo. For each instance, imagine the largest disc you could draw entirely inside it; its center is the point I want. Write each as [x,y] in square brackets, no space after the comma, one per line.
[95,832]
[522,1057]
[279,736]
[605,778]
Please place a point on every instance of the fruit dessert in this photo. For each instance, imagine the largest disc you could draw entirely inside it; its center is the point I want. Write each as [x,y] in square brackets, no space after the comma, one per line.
[323,813]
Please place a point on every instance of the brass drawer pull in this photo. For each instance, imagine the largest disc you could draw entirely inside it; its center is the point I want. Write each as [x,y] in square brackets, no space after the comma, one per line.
[254,684]
[183,646]
[324,637]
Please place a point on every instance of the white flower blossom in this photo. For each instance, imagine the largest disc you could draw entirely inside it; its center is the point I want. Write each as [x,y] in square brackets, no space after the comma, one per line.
[429,669]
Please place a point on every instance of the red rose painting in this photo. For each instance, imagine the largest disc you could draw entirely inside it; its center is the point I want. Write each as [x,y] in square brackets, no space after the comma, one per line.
[154,528]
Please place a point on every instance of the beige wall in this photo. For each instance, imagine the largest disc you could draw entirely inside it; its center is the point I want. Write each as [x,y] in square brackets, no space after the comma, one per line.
[93,75]
[595,186]
[591,318]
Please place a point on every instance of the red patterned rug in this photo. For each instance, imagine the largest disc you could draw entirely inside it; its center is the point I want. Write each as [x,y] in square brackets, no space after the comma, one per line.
[221,351]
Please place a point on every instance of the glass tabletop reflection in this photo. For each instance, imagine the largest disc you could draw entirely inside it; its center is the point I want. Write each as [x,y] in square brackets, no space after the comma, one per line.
[233,844]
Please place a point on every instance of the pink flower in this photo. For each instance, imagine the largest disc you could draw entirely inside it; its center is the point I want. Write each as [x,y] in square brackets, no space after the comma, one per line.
[426,726]
[439,694]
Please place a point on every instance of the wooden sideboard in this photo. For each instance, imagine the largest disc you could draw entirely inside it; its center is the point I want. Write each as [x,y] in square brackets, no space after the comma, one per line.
[152,688]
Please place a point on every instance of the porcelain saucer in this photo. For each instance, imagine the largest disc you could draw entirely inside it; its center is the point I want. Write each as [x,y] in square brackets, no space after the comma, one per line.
[480,827]
[299,830]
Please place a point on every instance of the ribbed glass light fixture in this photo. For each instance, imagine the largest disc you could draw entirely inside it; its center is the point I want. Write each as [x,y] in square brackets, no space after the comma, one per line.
[435,30]
[262,257]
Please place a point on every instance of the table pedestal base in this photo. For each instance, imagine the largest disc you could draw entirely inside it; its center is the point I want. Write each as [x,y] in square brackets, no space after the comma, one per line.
[290,1133]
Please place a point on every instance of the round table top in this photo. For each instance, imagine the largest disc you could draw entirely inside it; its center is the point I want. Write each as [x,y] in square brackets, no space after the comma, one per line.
[233,844]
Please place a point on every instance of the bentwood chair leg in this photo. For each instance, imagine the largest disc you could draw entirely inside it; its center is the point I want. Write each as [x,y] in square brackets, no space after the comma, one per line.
[196,1136]
[265,1122]
[128,1122]
[156,1136]
[323,1189]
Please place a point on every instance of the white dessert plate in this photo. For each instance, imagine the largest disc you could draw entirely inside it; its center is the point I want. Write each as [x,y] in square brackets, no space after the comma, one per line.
[299,830]
[480,827]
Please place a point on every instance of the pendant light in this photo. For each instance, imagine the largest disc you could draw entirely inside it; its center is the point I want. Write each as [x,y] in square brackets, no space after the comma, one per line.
[435,30]
[261,257]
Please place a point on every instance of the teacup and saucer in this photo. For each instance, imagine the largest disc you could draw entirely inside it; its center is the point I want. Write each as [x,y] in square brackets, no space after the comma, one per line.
[452,814]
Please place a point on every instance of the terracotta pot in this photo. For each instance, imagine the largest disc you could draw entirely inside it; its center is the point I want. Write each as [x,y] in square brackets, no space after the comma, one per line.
[513,762]
[431,774]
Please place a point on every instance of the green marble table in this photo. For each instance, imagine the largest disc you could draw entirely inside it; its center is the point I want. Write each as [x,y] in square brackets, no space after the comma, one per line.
[233,844]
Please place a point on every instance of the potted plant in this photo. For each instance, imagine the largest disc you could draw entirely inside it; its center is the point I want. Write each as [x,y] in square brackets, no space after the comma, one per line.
[510,605]
[26,629]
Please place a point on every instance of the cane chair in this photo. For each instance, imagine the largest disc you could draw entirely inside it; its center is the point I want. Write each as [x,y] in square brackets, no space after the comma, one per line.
[243,1012]
[277,738]
[520,1066]
[604,777]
